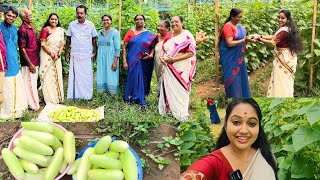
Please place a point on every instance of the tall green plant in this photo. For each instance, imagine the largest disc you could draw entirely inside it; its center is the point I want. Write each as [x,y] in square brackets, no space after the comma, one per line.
[293,129]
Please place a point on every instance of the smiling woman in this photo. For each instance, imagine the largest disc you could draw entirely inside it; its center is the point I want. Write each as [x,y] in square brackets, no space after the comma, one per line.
[243,151]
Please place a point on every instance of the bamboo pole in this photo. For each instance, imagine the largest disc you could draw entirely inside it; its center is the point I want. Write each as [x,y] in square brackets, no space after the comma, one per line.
[314,21]
[30,5]
[120,11]
[216,41]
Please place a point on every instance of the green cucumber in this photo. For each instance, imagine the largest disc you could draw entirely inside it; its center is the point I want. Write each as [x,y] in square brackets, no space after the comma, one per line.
[119,146]
[29,166]
[85,164]
[102,145]
[38,126]
[59,133]
[74,167]
[102,174]
[13,163]
[57,144]
[129,165]
[54,166]
[31,156]
[35,146]
[45,138]
[112,154]
[63,166]
[16,142]
[69,145]
[105,162]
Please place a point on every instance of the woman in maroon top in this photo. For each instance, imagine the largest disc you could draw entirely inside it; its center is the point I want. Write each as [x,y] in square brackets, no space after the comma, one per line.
[242,148]
[288,44]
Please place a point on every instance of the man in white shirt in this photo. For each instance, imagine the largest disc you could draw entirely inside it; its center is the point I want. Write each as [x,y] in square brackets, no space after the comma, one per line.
[81,35]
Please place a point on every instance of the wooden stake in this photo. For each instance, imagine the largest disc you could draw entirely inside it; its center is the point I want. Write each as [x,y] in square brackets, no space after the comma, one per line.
[30,5]
[314,21]
[216,40]
[120,11]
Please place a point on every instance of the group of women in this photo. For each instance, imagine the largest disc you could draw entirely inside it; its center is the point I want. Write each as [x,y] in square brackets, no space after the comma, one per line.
[286,42]
[174,56]
[173,53]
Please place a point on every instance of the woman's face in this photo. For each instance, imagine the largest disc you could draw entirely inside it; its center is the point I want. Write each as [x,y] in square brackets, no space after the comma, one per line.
[242,126]
[53,21]
[236,19]
[162,29]
[282,20]
[176,24]
[106,22]
[139,21]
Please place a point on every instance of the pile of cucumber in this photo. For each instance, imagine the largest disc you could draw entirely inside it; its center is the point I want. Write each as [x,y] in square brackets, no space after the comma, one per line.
[107,160]
[41,152]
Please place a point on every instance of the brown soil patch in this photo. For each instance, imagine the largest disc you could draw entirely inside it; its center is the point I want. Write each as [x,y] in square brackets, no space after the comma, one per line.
[210,89]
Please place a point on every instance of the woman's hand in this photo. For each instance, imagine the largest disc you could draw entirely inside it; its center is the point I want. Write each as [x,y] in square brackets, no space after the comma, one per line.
[147,56]
[114,66]
[200,37]
[169,60]
[125,66]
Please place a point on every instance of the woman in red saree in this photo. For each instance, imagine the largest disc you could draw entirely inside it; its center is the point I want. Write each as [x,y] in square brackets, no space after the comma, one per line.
[242,146]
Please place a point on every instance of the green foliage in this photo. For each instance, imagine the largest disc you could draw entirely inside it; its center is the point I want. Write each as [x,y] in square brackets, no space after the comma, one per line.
[196,138]
[293,129]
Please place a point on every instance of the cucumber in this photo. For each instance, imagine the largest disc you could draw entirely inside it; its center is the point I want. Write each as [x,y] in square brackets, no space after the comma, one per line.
[102,174]
[85,164]
[69,145]
[49,159]
[119,146]
[102,145]
[35,146]
[105,162]
[13,163]
[59,133]
[45,138]
[16,142]
[30,176]
[112,154]
[57,144]
[31,156]
[54,166]
[63,166]
[129,165]
[38,126]
[29,166]
[74,167]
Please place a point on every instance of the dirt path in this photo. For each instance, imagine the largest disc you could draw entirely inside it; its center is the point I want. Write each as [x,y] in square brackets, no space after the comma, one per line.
[209,88]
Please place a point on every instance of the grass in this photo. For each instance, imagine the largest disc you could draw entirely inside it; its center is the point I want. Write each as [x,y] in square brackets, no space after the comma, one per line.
[257,86]
[205,70]
[118,110]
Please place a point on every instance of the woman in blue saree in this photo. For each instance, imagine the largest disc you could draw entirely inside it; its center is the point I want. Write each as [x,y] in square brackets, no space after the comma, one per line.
[138,61]
[232,51]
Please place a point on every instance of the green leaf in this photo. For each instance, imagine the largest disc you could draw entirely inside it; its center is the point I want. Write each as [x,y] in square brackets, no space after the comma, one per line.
[276,102]
[187,145]
[160,166]
[317,42]
[301,168]
[288,126]
[289,148]
[300,111]
[188,136]
[304,136]
[317,52]
[313,114]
